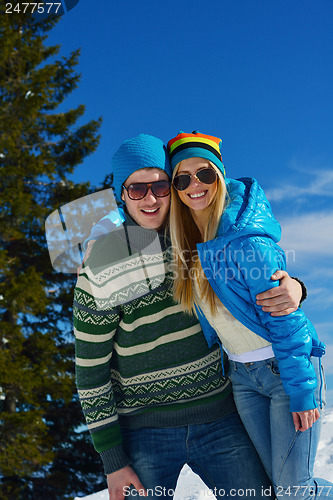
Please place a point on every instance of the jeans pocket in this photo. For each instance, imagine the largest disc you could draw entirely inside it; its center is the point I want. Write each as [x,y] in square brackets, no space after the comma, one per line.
[274,366]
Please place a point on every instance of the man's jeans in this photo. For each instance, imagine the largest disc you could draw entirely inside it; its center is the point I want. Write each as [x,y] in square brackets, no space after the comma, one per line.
[221,453]
[288,456]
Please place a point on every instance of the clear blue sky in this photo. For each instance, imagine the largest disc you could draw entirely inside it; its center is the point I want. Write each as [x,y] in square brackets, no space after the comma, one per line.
[257,73]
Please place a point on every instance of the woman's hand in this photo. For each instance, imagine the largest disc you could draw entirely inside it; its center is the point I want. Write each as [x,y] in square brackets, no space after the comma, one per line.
[86,255]
[303,420]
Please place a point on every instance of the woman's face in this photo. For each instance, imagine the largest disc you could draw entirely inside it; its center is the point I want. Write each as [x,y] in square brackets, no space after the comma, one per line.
[198,196]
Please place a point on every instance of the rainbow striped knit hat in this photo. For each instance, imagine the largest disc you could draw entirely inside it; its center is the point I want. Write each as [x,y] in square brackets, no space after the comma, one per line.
[193,145]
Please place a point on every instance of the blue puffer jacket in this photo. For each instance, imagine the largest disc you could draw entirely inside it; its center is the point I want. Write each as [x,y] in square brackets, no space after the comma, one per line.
[238,264]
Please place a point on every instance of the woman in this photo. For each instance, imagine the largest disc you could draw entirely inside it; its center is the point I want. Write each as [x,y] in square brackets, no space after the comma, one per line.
[224,240]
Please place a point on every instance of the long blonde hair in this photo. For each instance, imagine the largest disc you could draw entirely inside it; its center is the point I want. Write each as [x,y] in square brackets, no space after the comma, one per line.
[184,237]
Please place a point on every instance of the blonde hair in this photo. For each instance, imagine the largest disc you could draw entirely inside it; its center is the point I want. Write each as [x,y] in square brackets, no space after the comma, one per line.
[184,237]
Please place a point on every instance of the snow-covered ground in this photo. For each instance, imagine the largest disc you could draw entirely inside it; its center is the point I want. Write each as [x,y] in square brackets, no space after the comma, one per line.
[190,486]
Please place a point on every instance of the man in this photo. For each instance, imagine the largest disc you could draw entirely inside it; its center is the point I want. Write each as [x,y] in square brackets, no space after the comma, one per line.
[155,396]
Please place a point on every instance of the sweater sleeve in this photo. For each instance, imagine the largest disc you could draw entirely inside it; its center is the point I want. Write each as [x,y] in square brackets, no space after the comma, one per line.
[95,324]
[291,336]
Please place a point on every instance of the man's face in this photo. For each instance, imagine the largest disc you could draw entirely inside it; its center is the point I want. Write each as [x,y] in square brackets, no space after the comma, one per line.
[151,211]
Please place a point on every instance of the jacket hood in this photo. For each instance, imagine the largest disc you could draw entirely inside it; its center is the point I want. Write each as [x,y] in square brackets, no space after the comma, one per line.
[248,212]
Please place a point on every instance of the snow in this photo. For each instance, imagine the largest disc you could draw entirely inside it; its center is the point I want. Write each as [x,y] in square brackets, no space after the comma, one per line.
[190,486]
[324,459]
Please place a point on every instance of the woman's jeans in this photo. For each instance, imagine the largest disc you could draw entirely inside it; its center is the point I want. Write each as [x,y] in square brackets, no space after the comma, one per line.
[288,455]
[220,452]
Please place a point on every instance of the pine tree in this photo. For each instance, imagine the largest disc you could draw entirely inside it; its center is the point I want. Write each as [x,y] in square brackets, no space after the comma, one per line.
[41,453]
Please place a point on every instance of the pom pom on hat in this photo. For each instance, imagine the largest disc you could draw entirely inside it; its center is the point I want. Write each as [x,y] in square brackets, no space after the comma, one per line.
[195,145]
[143,151]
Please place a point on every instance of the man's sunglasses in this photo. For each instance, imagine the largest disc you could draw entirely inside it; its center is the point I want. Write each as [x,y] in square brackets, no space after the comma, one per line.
[206,176]
[139,190]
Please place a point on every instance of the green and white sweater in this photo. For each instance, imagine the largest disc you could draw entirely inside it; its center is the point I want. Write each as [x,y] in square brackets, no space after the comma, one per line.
[140,361]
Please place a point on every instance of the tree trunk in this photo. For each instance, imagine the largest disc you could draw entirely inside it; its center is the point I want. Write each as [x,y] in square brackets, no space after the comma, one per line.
[10,402]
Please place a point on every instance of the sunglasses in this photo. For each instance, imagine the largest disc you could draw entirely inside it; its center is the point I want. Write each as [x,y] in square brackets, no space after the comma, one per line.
[206,176]
[139,190]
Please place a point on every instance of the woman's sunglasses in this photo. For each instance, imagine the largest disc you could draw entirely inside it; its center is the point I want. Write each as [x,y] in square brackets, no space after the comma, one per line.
[139,191]
[206,176]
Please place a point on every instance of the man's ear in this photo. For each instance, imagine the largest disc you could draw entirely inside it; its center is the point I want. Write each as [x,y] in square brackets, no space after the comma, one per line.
[122,195]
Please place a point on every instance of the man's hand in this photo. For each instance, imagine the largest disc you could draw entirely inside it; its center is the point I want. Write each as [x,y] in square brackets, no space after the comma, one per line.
[283,299]
[303,420]
[120,481]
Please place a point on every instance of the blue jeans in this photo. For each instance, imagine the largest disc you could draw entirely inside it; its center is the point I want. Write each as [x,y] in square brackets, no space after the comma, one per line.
[221,453]
[288,456]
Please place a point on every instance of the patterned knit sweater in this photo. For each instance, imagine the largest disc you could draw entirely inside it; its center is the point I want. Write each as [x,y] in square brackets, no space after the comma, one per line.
[140,361]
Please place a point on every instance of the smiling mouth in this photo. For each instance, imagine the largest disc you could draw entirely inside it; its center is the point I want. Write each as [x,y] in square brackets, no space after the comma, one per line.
[197,195]
[149,210]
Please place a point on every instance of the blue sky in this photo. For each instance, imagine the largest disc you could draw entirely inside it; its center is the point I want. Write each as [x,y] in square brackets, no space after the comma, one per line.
[257,73]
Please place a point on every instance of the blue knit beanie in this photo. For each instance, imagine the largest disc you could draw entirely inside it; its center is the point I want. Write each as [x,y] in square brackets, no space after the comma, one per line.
[144,151]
